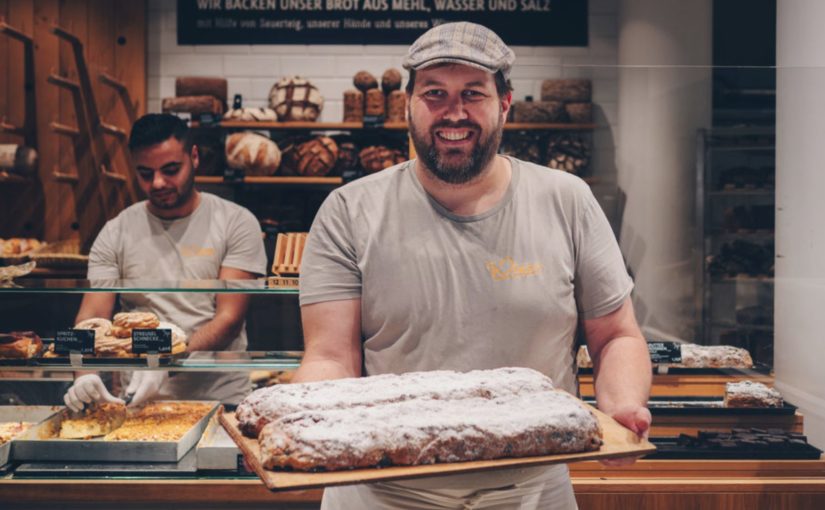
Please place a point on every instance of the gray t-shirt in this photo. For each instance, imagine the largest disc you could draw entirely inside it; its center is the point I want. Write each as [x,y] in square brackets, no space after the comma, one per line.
[440,291]
[138,245]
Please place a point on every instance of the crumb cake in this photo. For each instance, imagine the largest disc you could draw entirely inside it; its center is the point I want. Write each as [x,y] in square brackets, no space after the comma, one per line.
[427,431]
[715,356]
[751,394]
[160,421]
[9,430]
[271,403]
[93,421]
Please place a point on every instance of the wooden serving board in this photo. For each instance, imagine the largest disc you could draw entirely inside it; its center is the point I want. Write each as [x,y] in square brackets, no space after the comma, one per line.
[618,442]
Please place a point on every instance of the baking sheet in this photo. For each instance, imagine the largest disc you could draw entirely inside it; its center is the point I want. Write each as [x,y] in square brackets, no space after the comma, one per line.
[618,442]
[216,451]
[39,444]
[710,406]
[31,414]
[185,467]
[668,448]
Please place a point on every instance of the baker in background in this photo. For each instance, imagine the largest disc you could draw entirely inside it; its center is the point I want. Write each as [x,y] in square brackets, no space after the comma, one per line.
[177,234]
[463,259]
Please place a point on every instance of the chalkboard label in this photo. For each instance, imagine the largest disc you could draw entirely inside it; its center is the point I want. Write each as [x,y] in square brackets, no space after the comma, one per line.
[152,340]
[665,352]
[373,121]
[233,174]
[74,340]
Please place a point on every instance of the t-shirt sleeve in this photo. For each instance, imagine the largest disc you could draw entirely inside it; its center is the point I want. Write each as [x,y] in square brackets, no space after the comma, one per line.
[245,244]
[601,280]
[104,258]
[329,266]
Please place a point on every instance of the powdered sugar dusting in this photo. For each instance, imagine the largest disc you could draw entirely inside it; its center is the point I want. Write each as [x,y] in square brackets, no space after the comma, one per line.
[751,394]
[715,356]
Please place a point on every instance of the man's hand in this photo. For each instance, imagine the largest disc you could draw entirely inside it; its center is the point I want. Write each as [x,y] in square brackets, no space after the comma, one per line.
[87,389]
[145,384]
[637,419]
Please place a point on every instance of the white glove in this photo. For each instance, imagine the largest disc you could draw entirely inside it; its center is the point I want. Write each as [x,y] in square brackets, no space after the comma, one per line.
[87,389]
[145,384]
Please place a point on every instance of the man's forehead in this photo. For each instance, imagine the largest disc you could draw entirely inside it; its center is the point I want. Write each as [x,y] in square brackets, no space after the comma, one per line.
[441,73]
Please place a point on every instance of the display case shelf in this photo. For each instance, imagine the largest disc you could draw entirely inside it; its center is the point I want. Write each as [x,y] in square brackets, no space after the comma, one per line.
[276,180]
[69,286]
[392,126]
[223,361]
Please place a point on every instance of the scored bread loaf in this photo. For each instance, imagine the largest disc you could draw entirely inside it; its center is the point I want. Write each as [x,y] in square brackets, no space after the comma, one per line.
[377,157]
[254,153]
[296,99]
[251,115]
[314,158]
[195,105]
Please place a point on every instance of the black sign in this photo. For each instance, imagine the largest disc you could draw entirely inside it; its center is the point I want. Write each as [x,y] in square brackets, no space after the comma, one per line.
[152,340]
[233,174]
[74,340]
[517,22]
[665,352]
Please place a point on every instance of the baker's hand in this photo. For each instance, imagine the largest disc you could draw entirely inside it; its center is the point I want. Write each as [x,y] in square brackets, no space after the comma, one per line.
[145,384]
[637,419]
[87,389]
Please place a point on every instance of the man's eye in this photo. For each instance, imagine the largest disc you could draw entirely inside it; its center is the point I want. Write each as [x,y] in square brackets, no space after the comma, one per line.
[433,93]
[473,94]
[146,176]
[171,171]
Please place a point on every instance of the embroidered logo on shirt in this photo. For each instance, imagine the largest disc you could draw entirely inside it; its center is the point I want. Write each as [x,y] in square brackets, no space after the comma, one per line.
[508,269]
[196,251]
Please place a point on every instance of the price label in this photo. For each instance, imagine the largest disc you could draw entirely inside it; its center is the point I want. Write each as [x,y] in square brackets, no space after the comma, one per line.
[373,121]
[665,352]
[152,340]
[233,174]
[74,340]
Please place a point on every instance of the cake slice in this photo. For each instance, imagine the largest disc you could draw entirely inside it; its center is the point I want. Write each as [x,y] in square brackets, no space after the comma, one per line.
[93,421]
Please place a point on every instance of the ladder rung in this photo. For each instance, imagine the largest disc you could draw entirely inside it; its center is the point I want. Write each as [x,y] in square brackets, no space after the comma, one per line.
[63,129]
[112,176]
[10,31]
[63,34]
[60,81]
[112,130]
[111,81]
[11,129]
[62,177]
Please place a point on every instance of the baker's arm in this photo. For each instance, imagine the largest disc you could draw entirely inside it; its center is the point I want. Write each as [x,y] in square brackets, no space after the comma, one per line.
[96,304]
[621,367]
[332,341]
[230,312]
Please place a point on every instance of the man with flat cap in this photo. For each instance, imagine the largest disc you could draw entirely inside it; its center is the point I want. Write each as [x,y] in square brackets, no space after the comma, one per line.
[464,259]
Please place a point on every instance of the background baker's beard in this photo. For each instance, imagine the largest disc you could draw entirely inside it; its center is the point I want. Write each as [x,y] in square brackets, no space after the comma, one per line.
[184,194]
[467,170]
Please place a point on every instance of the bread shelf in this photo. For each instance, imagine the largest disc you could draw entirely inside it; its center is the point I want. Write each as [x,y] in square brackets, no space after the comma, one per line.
[392,126]
[319,181]
[7,178]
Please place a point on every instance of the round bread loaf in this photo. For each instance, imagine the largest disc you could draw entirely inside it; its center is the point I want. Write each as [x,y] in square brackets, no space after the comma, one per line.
[347,157]
[377,157]
[251,115]
[254,153]
[296,99]
[390,80]
[314,158]
[364,81]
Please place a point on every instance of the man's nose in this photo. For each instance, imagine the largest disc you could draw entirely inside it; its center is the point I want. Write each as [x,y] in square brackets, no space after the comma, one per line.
[158,182]
[455,109]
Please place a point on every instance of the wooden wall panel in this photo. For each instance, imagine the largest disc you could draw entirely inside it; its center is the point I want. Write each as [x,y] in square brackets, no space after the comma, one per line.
[43,207]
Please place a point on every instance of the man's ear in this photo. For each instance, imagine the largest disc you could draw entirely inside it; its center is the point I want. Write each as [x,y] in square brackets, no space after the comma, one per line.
[195,156]
[506,102]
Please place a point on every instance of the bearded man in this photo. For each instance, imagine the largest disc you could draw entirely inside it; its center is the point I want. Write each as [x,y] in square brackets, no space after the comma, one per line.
[179,233]
[464,259]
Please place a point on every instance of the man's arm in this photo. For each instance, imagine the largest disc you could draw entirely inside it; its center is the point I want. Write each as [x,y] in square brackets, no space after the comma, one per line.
[332,341]
[230,312]
[96,304]
[621,367]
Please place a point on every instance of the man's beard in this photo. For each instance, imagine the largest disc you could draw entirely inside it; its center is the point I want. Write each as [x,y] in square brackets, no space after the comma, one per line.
[461,172]
[183,195]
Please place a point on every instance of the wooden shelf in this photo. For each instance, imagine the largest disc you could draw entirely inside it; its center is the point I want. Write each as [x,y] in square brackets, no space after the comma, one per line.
[6,177]
[292,180]
[392,126]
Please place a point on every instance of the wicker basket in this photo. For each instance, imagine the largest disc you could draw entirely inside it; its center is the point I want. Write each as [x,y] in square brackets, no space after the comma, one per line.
[61,254]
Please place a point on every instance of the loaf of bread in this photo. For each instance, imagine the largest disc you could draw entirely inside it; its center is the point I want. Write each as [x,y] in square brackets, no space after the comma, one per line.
[195,105]
[202,86]
[538,111]
[20,345]
[251,115]
[364,81]
[375,103]
[18,246]
[377,157]
[314,158]
[715,356]
[579,113]
[390,80]
[396,106]
[751,394]
[568,91]
[353,106]
[296,99]
[270,404]
[490,418]
[254,153]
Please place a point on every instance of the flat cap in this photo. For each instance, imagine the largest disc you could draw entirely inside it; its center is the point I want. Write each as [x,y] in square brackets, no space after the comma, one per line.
[461,43]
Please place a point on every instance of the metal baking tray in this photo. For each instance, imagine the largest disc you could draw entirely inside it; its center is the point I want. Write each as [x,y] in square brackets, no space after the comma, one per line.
[32,414]
[669,448]
[40,444]
[217,451]
[759,369]
[112,470]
